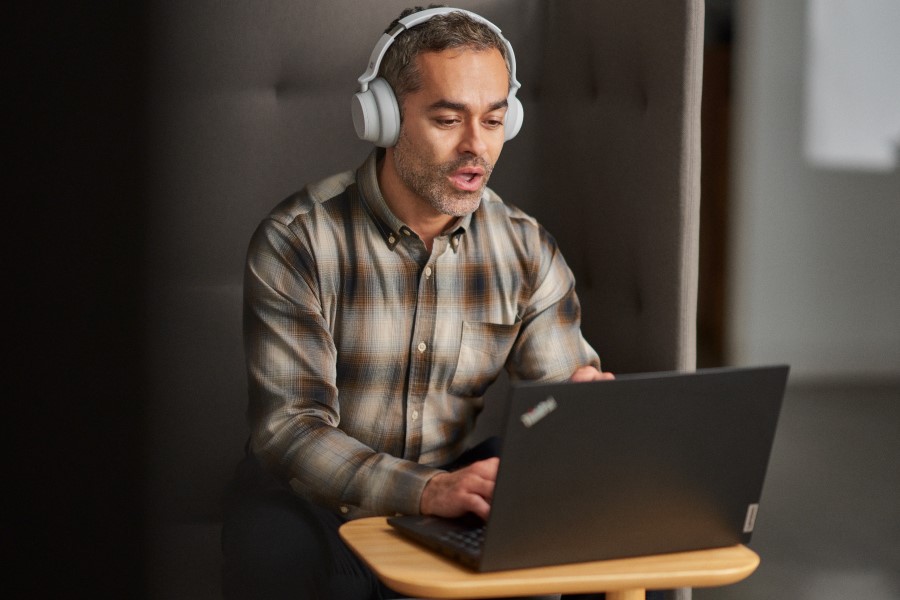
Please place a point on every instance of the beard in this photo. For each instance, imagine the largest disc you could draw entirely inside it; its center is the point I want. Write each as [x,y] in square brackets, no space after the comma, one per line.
[430,181]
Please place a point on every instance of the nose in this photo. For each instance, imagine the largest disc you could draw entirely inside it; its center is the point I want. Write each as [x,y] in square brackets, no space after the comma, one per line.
[473,141]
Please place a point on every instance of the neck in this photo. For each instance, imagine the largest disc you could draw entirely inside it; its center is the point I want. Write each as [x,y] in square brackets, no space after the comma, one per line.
[410,208]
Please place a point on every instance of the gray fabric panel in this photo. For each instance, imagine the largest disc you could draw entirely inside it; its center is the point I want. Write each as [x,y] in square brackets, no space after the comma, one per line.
[250,101]
[619,137]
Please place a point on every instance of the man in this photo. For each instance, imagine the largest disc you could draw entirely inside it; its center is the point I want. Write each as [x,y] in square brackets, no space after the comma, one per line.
[379,306]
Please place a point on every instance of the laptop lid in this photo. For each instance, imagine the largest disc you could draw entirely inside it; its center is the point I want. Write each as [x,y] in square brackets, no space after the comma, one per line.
[644,464]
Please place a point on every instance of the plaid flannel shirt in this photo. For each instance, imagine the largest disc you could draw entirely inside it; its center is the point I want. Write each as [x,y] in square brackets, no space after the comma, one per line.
[368,356]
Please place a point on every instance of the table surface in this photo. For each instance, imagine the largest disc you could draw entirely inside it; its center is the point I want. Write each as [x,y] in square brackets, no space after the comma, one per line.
[412,569]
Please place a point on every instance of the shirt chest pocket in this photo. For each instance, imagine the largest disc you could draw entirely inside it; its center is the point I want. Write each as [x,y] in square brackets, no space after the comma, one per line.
[483,350]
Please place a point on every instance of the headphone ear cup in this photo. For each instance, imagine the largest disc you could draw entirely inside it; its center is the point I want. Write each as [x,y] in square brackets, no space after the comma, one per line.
[376,115]
[365,115]
[515,115]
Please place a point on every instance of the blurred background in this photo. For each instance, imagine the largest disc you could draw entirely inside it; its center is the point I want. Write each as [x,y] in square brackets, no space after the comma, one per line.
[801,194]
[800,263]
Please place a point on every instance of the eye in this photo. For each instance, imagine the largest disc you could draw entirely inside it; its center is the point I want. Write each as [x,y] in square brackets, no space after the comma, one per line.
[493,123]
[447,121]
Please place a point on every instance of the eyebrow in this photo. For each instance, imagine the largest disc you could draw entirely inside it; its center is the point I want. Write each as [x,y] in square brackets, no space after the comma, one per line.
[459,106]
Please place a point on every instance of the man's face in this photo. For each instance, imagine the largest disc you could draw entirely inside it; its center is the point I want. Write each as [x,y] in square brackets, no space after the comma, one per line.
[452,131]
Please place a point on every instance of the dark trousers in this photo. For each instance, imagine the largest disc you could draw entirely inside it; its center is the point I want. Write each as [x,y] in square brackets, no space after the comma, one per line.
[277,545]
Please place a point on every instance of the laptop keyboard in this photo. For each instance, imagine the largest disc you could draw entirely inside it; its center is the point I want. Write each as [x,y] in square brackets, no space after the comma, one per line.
[469,541]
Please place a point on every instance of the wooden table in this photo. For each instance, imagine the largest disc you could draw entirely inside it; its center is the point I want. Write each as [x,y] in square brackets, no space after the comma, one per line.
[410,569]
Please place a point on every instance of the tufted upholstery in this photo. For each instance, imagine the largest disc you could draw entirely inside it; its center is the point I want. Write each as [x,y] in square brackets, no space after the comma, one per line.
[250,100]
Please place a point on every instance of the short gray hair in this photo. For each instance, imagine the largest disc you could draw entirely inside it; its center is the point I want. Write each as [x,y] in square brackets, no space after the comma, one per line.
[442,32]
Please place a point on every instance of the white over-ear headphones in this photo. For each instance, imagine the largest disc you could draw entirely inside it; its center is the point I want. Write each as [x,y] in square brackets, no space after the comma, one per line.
[376,114]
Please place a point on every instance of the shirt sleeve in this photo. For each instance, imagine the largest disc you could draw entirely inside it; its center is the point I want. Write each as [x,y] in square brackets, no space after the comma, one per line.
[294,409]
[550,345]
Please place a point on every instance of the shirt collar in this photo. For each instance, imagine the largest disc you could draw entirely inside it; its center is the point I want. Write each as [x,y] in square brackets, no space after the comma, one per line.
[389,226]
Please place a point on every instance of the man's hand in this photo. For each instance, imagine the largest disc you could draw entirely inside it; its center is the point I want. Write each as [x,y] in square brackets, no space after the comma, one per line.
[590,374]
[455,493]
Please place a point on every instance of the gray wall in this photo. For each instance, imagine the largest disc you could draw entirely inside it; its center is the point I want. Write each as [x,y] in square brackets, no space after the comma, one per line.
[815,266]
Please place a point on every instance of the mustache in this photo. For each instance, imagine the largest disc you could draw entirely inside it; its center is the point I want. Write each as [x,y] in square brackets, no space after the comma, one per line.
[459,163]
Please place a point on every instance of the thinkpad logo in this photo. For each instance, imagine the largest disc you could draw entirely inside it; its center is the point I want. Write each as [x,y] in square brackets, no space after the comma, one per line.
[750,519]
[543,408]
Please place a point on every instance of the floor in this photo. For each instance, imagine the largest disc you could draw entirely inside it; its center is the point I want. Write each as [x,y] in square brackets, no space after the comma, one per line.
[829,522]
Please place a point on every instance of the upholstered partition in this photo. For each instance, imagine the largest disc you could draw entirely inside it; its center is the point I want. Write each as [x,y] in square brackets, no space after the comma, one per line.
[248,101]
[619,181]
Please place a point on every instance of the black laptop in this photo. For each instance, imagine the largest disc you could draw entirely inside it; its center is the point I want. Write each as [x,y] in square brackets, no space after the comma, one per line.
[644,464]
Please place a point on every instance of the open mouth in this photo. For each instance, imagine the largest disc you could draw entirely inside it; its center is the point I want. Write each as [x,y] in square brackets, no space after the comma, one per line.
[467,179]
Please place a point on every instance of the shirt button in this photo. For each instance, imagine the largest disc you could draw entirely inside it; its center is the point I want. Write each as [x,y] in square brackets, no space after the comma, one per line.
[345,509]
[421,347]
[392,239]
[427,271]
[415,415]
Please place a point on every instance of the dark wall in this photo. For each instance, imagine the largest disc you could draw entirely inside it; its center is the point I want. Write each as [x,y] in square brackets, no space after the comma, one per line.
[74,241]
